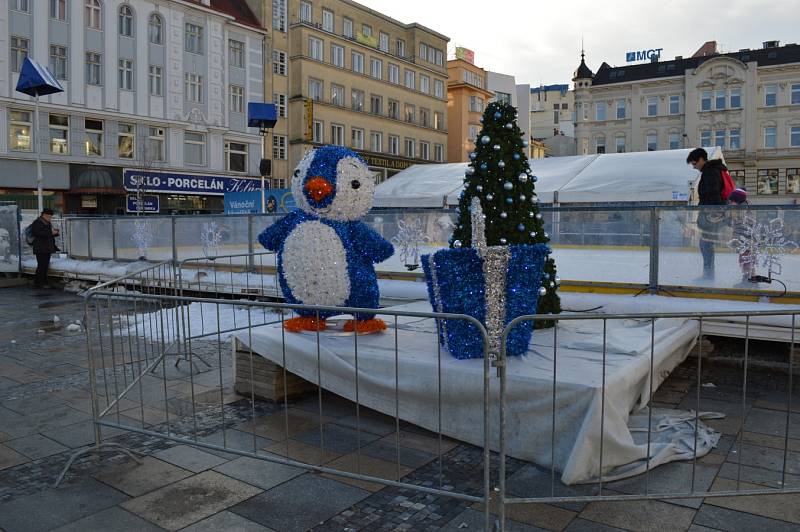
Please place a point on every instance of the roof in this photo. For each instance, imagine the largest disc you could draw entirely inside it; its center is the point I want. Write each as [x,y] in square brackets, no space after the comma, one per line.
[239,10]
[582,71]
[550,88]
[607,74]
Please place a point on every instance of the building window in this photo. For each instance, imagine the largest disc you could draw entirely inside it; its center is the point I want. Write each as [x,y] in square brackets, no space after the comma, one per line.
[94,14]
[600,111]
[771,95]
[620,144]
[400,48]
[411,82]
[795,97]
[394,109]
[20,5]
[674,104]
[424,117]
[236,53]
[424,84]
[794,136]
[651,140]
[279,147]
[793,180]
[193,87]
[347,27]
[438,88]
[279,62]
[194,39]
[337,55]
[315,48]
[126,141]
[738,178]
[736,98]
[719,138]
[155,143]
[337,135]
[424,151]
[438,153]
[125,71]
[705,101]
[155,29]
[237,99]
[236,156]
[475,104]
[280,103]
[357,62]
[621,109]
[438,120]
[410,113]
[327,20]
[318,132]
[423,51]
[59,134]
[705,139]
[58,61]
[305,12]
[472,132]
[652,106]
[600,144]
[734,139]
[394,145]
[315,89]
[58,9]
[410,148]
[357,138]
[767,181]
[366,30]
[394,74]
[376,68]
[194,148]
[337,95]
[125,20]
[19,51]
[720,99]
[94,68]
[20,128]
[156,80]
[375,104]
[674,141]
[383,42]
[470,77]
[770,137]
[502,97]
[357,100]
[94,137]
[376,141]
[279,15]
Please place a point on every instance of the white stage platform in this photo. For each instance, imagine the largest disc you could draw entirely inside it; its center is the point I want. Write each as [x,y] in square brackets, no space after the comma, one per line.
[579,393]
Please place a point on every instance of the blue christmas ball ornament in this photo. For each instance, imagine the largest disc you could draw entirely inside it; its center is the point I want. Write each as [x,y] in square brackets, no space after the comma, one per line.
[516,156]
[508,185]
[484,166]
[473,156]
[497,115]
[509,200]
[501,164]
[546,276]
[521,227]
[534,179]
[486,139]
[470,170]
[524,143]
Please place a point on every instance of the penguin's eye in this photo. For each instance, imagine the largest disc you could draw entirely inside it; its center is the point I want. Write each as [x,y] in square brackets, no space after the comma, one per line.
[355,183]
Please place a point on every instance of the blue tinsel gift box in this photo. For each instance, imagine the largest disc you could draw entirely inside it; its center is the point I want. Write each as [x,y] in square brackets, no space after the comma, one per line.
[456,284]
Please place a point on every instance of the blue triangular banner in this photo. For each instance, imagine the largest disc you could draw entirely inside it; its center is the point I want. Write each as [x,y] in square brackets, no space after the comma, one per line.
[36,79]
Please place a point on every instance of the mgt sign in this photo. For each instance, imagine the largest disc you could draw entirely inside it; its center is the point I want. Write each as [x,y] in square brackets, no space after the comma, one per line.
[642,55]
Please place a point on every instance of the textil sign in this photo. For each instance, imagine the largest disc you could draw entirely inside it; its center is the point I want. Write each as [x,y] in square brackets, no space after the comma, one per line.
[165,182]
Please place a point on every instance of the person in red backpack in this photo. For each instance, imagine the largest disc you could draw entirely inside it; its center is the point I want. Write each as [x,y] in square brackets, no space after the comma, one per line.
[710,190]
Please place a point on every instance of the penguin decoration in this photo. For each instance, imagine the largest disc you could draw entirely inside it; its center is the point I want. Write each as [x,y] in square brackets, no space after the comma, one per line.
[325,252]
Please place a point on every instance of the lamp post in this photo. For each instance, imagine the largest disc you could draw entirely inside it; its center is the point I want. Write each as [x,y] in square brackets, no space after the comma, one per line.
[264,116]
[36,80]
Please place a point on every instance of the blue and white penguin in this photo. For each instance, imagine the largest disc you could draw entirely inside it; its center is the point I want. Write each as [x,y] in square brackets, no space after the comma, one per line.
[325,253]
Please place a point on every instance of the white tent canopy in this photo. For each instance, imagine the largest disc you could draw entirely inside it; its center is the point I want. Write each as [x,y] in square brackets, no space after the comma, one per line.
[655,176]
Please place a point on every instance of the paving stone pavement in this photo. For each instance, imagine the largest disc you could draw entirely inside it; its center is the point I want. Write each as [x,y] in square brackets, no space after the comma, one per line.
[45,415]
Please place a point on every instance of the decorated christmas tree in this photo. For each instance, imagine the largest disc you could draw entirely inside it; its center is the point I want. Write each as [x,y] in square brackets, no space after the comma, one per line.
[500,177]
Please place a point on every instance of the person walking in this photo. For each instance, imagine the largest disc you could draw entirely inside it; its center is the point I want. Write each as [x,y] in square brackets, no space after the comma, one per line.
[709,190]
[44,245]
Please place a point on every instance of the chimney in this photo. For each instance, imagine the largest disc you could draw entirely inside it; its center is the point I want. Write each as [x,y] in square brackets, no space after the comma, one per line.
[771,44]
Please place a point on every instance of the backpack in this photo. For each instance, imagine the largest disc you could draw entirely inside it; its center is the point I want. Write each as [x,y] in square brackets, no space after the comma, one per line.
[728,185]
[29,238]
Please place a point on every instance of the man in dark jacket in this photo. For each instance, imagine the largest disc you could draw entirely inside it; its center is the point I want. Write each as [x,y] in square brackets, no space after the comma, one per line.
[709,221]
[44,245]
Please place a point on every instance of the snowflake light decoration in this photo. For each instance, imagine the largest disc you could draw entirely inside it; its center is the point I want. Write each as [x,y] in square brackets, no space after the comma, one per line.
[142,236]
[761,244]
[408,239]
[211,238]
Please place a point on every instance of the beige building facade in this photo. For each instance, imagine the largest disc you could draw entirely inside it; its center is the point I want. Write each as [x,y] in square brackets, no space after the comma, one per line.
[551,111]
[746,102]
[467,96]
[344,74]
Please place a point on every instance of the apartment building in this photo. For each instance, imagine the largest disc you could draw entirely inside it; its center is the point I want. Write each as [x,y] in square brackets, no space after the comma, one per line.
[747,102]
[344,74]
[551,111]
[467,96]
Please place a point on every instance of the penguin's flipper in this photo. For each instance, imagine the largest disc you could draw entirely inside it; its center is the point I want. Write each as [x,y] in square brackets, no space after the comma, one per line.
[365,326]
[273,236]
[302,323]
[373,244]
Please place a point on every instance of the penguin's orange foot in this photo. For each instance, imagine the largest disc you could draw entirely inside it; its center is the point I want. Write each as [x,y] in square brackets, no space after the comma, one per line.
[365,326]
[301,323]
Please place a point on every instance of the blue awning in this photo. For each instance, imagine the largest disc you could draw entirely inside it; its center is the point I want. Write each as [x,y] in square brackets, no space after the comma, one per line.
[36,79]
[262,115]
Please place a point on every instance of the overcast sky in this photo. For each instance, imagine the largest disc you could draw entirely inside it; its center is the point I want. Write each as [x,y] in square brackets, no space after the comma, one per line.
[539,42]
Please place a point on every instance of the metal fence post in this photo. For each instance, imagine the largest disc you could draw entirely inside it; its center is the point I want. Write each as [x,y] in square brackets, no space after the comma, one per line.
[114,254]
[250,249]
[652,284]
[174,242]
[89,239]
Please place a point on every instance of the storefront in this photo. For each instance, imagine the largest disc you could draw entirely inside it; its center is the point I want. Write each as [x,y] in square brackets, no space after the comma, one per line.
[385,166]
[18,184]
[95,190]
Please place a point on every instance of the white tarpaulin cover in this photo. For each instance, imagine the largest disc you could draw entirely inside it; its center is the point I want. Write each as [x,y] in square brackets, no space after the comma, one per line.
[580,396]
[607,178]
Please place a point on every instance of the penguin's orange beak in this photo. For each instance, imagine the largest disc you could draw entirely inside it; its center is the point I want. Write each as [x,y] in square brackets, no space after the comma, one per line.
[318,188]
